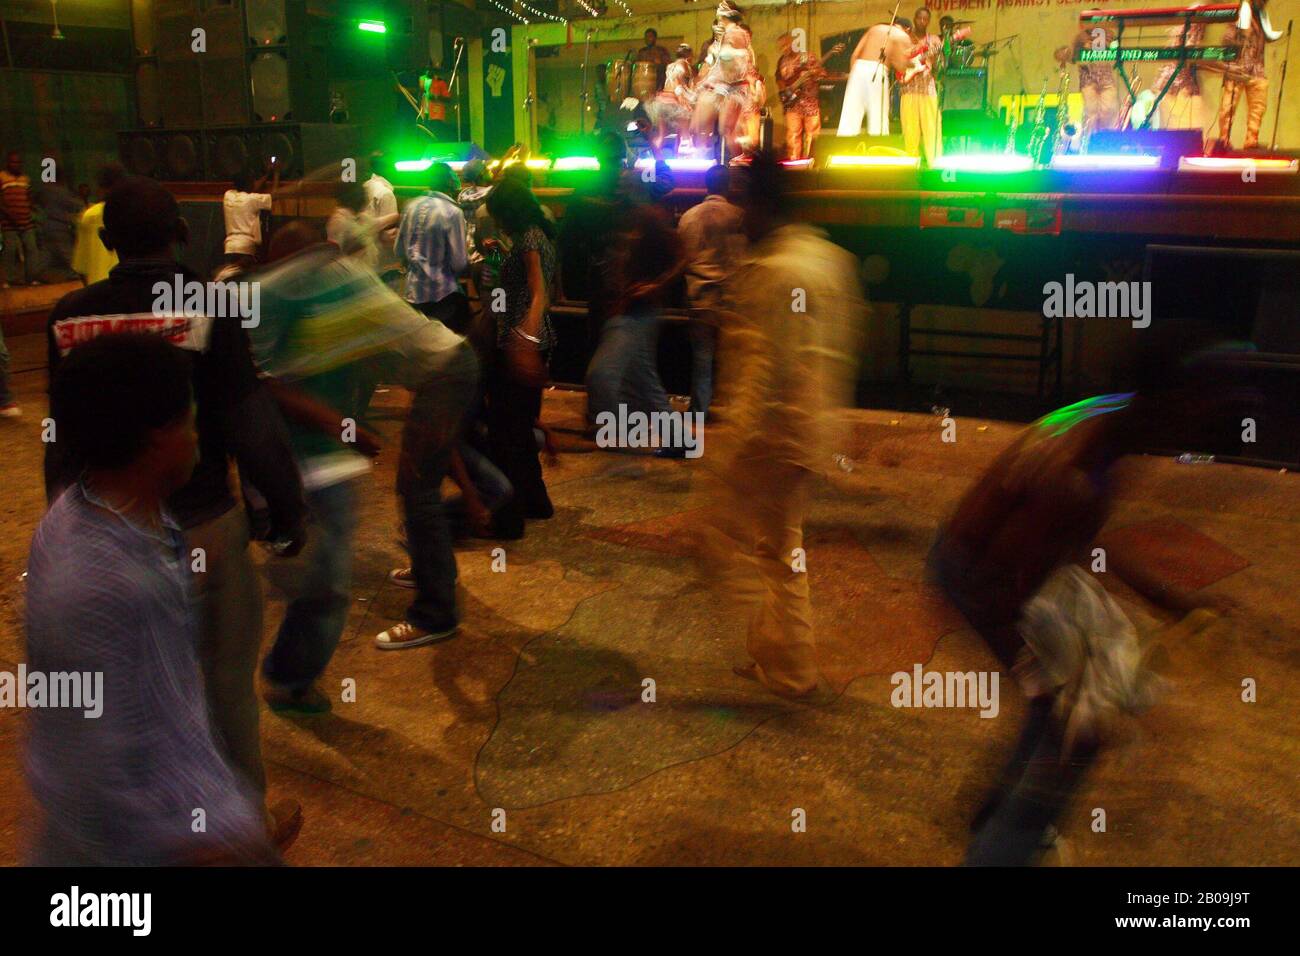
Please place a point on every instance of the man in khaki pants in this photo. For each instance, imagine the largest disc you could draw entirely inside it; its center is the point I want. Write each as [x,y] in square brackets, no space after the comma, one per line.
[793,312]
[1246,75]
[918,98]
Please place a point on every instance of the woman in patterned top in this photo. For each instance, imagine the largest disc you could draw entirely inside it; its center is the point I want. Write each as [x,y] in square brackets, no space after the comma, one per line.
[524,339]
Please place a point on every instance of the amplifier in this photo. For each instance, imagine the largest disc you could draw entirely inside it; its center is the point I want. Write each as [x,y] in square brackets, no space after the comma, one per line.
[965,89]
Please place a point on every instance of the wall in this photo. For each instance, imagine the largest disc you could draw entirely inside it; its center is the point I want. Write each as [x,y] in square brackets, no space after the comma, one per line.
[65,98]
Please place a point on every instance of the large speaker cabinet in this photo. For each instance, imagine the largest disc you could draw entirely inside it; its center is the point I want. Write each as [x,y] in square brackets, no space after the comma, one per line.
[208,63]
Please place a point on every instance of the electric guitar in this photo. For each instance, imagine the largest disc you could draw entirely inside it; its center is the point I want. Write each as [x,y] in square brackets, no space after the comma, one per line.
[790,94]
[919,57]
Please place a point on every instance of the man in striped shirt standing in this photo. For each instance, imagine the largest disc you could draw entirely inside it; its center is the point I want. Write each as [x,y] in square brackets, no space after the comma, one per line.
[431,247]
[19,231]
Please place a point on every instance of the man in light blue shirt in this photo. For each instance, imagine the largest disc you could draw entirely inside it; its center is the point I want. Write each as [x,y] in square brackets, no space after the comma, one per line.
[432,248]
[138,779]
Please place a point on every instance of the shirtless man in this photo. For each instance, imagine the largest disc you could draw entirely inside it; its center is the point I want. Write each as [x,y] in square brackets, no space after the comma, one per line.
[728,93]
[867,92]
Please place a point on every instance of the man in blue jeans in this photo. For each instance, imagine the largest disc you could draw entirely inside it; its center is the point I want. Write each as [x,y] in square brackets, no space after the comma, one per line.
[625,367]
[8,407]
[313,372]
[323,316]
[431,434]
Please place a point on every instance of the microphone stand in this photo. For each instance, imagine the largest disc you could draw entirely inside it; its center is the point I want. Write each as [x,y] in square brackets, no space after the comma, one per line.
[884,73]
[1281,87]
[459,44]
[586,95]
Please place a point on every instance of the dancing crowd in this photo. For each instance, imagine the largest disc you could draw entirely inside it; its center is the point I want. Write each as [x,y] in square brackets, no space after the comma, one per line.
[142,569]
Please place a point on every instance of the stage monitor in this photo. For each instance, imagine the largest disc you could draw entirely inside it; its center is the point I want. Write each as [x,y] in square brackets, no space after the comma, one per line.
[1169,144]
[965,89]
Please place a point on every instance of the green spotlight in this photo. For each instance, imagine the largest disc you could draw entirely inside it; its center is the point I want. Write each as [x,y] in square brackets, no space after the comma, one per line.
[372,26]
[412,165]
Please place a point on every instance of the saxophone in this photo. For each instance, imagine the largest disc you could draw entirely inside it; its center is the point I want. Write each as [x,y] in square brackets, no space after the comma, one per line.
[1012,127]
[1038,135]
[1064,129]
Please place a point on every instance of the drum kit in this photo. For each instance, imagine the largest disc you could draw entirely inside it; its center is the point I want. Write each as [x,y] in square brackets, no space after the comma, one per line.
[965,54]
[624,78]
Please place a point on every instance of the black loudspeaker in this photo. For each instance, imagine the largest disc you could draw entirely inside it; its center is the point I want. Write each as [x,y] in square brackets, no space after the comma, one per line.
[141,152]
[143,35]
[1169,144]
[267,22]
[407,40]
[232,150]
[164,154]
[217,154]
[148,94]
[204,252]
[965,89]
[263,61]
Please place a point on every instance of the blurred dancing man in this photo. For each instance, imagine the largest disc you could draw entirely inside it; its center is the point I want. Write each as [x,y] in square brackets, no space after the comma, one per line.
[109,594]
[1009,559]
[793,312]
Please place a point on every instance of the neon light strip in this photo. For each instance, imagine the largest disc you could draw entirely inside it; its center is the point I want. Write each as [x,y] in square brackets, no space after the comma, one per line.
[571,163]
[1100,161]
[1235,164]
[797,163]
[896,162]
[993,163]
[685,163]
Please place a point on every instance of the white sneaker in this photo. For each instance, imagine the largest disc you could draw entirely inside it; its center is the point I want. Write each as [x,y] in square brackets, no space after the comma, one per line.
[402,577]
[405,634]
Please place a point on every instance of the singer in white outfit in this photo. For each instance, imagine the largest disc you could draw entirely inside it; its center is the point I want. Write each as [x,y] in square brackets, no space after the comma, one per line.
[867,92]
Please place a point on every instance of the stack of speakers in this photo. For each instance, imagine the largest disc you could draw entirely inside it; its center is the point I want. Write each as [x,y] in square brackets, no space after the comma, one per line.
[224,85]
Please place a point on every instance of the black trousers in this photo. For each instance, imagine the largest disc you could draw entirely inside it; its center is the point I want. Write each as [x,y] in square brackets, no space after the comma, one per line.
[452,311]
[512,408]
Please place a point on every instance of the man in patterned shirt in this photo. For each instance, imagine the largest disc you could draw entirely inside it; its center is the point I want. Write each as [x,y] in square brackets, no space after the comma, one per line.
[16,223]
[432,249]
[1096,80]
[1246,76]
[798,72]
[918,101]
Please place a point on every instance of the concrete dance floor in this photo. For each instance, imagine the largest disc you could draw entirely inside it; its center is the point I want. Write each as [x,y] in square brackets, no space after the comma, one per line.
[525,740]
